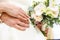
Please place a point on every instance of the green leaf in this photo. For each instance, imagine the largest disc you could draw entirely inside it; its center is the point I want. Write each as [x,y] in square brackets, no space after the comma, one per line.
[47,3]
[32,20]
[31,9]
[51,24]
[35,4]
[43,33]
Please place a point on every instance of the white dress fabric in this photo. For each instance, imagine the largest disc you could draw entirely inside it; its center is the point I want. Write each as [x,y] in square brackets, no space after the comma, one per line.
[56,31]
[8,33]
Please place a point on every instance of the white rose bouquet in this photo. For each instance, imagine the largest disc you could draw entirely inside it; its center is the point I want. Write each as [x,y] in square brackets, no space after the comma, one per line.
[44,13]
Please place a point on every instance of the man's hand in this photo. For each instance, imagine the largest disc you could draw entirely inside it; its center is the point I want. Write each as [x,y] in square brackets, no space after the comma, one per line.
[14,22]
[13,10]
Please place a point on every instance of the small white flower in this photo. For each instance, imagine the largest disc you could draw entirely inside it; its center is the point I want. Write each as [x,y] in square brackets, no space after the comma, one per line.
[38,18]
[39,9]
[53,11]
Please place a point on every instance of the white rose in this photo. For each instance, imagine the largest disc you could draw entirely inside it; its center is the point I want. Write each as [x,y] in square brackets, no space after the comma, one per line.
[53,11]
[39,9]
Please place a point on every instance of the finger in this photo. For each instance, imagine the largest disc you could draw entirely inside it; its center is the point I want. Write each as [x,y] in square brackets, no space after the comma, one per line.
[24,13]
[15,26]
[17,15]
[20,27]
[21,18]
[9,24]
[22,24]
[24,21]
[21,14]
[15,9]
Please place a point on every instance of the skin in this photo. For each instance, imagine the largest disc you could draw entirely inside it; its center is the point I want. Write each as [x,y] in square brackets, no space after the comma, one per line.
[14,16]
[13,10]
[14,22]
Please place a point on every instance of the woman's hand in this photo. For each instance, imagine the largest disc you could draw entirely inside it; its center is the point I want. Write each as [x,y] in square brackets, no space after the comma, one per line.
[14,22]
[13,10]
